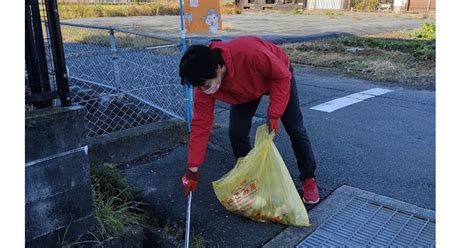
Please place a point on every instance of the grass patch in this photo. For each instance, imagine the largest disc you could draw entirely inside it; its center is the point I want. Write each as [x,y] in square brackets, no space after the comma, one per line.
[85,10]
[358,15]
[330,14]
[116,209]
[365,5]
[230,9]
[420,50]
[426,32]
[197,241]
[299,11]
[114,202]
[334,13]
[100,37]
[410,61]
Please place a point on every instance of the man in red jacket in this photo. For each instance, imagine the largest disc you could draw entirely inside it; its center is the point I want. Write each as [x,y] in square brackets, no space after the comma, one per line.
[240,72]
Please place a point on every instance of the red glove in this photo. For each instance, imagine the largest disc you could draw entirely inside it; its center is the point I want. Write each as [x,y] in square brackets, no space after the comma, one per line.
[273,123]
[190,181]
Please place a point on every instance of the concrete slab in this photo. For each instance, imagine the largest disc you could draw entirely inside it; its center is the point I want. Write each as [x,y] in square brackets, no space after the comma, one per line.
[130,144]
[323,212]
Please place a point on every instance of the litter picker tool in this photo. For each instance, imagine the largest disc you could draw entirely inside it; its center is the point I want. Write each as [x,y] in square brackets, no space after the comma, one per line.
[188,220]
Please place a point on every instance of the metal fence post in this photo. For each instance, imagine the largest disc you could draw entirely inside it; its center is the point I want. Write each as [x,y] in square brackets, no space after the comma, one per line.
[57,48]
[115,58]
[35,56]
[112,39]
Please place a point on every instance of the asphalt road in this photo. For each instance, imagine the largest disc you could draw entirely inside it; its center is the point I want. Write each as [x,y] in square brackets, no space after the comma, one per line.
[385,144]
[269,24]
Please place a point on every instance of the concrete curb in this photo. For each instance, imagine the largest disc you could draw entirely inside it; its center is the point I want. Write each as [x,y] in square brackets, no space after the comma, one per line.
[130,144]
[292,236]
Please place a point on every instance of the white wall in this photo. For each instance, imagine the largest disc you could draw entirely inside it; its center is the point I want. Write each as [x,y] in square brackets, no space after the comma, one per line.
[325,4]
[398,4]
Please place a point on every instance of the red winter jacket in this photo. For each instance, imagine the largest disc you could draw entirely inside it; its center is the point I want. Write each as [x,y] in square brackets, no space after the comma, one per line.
[254,68]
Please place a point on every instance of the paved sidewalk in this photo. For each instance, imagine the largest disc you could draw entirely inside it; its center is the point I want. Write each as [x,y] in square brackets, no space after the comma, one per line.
[160,186]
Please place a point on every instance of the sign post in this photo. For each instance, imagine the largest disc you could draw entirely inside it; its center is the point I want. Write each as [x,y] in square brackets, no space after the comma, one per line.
[197,16]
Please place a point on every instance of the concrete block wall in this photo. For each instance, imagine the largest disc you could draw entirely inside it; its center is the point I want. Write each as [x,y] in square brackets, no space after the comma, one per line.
[57,176]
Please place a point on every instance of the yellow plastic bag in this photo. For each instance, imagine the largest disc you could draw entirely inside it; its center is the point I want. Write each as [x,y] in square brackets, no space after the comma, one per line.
[260,186]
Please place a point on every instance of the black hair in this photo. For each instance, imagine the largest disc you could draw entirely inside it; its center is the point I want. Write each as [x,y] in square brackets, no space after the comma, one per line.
[198,64]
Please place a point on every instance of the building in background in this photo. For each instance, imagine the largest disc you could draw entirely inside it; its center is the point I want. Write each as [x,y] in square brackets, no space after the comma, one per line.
[96,1]
[270,4]
[420,5]
[328,4]
[399,5]
[362,5]
[113,1]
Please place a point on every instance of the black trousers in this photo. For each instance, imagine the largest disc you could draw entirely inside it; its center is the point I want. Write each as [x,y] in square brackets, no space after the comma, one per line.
[292,119]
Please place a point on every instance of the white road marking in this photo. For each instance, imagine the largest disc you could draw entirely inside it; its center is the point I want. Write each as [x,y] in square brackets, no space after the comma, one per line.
[376,91]
[349,100]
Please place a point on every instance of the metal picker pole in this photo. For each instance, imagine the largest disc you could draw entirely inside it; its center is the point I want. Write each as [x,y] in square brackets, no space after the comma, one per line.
[186,88]
[188,119]
[188,220]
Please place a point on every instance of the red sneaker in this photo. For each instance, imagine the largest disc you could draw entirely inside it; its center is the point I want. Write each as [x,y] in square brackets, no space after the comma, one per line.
[310,191]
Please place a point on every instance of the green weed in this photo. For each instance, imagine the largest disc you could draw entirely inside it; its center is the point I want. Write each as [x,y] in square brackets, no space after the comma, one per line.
[427,32]
[365,4]
[334,13]
[419,49]
[113,200]
[298,11]
[197,241]
[392,60]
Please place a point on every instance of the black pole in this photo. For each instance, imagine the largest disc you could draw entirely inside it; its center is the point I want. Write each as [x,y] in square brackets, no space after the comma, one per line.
[58,52]
[35,56]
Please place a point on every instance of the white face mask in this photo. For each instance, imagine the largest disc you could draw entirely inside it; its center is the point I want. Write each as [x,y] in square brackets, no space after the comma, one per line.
[214,88]
[216,83]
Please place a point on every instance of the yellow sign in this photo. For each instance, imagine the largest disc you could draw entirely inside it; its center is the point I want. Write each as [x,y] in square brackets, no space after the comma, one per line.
[202,16]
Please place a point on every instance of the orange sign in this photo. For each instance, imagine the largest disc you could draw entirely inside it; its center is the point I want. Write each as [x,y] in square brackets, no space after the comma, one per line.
[202,16]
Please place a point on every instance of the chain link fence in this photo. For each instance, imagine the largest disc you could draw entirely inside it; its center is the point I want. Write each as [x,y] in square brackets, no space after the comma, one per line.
[125,79]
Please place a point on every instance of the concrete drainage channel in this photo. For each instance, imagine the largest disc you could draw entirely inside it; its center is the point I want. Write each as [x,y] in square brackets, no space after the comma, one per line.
[363,223]
[352,217]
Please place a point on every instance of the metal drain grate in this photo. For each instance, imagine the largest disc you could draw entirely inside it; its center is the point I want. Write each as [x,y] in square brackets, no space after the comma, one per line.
[363,223]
